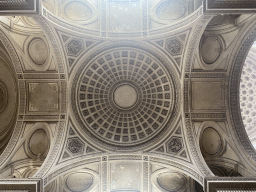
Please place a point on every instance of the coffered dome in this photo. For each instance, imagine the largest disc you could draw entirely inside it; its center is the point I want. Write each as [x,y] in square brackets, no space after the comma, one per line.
[125,97]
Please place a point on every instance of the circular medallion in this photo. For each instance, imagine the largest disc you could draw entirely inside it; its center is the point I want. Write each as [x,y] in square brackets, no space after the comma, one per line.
[124,97]
[38,143]
[210,49]
[77,11]
[3,97]
[211,141]
[79,181]
[171,181]
[38,51]
[170,10]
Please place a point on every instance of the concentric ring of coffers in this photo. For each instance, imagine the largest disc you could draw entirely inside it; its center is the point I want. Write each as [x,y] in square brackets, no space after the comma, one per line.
[124,97]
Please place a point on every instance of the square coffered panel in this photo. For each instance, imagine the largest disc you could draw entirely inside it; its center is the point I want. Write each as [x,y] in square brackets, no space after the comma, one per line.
[125,177]
[43,97]
[207,95]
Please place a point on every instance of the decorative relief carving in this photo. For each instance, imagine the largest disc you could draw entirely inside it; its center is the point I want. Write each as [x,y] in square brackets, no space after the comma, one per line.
[75,47]
[104,174]
[43,97]
[75,145]
[3,97]
[174,145]
[41,76]
[146,177]
[48,31]
[53,151]
[173,46]
[191,141]
[194,39]
[12,143]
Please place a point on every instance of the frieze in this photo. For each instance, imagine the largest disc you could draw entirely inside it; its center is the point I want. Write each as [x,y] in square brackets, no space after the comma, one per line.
[41,76]
[206,115]
[145,176]
[63,91]
[12,143]
[53,152]
[124,157]
[205,75]
[41,117]
[104,176]
[12,53]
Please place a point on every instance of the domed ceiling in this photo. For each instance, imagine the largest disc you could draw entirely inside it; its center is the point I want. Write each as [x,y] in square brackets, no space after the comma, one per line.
[248,95]
[125,96]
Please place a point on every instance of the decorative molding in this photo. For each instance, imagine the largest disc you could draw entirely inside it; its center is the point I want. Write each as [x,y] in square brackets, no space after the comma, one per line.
[229,184]
[206,115]
[215,7]
[11,51]
[104,176]
[12,144]
[171,163]
[146,177]
[104,32]
[124,157]
[63,96]
[41,117]
[55,173]
[52,39]
[41,76]
[195,39]
[19,7]
[21,185]
[196,153]
[54,151]
[186,95]
[205,75]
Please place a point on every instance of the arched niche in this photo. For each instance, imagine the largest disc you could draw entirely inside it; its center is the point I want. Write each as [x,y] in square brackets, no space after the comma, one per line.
[219,155]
